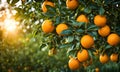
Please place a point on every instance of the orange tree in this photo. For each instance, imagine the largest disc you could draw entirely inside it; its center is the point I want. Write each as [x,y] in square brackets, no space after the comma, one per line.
[65,28]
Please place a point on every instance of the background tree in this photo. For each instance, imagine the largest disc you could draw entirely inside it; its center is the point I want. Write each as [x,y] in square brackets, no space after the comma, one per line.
[38,50]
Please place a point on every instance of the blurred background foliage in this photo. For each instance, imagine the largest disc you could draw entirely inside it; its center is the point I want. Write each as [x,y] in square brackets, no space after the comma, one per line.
[31,53]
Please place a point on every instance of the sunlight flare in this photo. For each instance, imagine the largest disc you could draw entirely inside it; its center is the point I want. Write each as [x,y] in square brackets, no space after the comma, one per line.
[10,25]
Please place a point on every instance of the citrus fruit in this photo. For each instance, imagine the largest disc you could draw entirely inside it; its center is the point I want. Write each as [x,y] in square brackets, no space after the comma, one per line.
[97,69]
[72,4]
[87,41]
[114,57]
[82,18]
[83,55]
[10,70]
[104,58]
[100,20]
[104,31]
[113,39]
[47,26]
[45,3]
[60,28]
[73,64]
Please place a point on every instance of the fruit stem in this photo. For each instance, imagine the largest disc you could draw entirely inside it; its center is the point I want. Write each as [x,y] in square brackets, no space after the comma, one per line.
[85,28]
[70,57]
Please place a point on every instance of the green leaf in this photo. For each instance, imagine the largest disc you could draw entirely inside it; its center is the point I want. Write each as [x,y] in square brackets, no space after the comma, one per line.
[108,47]
[93,6]
[77,45]
[77,38]
[66,32]
[90,53]
[71,52]
[108,1]
[65,45]
[94,34]
[98,2]
[76,24]
[51,12]
[93,27]
[69,39]
[87,10]
[101,11]
[51,9]
[57,20]
[80,31]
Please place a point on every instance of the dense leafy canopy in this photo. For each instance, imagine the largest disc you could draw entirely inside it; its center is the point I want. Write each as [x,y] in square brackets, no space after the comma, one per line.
[31,51]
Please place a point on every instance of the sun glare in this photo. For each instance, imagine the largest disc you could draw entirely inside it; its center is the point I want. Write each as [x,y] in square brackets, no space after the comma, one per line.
[10,25]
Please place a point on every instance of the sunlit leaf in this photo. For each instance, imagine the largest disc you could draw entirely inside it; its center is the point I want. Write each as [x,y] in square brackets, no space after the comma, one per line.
[70,39]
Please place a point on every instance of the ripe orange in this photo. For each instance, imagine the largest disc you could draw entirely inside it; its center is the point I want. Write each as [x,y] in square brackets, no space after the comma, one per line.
[47,26]
[114,57]
[82,18]
[104,58]
[104,31]
[113,39]
[10,70]
[72,4]
[60,28]
[73,64]
[97,69]
[100,20]
[44,8]
[87,41]
[83,55]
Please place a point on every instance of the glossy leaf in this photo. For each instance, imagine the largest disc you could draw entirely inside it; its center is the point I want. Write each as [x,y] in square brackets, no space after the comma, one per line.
[101,11]
[66,32]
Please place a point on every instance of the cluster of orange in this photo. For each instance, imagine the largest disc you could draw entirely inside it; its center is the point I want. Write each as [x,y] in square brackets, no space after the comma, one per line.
[83,57]
[47,25]
[113,39]
[87,41]
[71,4]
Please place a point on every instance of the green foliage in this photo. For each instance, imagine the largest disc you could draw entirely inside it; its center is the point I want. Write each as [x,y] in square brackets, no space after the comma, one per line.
[31,53]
